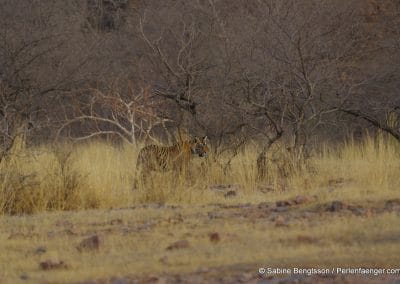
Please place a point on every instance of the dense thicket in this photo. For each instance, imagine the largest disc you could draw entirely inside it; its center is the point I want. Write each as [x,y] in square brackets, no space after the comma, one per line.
[235,70]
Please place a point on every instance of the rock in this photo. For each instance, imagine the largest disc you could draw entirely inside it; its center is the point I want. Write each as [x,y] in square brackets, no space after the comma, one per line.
[302,199]
[214,237]
[24,276]
[392,204]
[181,244]
[154,280]
[281,222]
[235,206]
[116,222]
[40,250]
[90,244]
[284,203]
[263,205]
[51,264]
[306,239]
[359,211]
[336,206]
[280,209]
[244,277]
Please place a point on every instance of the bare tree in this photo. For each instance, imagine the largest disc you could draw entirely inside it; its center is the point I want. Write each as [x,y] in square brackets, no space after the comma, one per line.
[42,57]
[235,70]
[371,93]
[128,114]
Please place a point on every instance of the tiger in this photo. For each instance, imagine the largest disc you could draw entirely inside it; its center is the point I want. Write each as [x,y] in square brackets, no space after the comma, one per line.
[163,158]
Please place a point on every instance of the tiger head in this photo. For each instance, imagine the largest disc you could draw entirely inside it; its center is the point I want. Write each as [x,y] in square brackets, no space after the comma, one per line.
[199,146]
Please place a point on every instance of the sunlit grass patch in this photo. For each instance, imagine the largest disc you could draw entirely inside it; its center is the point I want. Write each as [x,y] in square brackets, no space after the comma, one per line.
[101,175]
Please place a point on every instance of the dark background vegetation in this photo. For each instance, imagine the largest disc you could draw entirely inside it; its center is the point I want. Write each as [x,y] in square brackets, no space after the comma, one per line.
[303,72]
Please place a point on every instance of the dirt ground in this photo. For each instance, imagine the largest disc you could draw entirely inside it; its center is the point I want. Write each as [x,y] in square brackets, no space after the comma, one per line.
[216,243]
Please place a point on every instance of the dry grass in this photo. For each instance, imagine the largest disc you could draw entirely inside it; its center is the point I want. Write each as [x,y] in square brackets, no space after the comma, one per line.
[136,244]
[98,175]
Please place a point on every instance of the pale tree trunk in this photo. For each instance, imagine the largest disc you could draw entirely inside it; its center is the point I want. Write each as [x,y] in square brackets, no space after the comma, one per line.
[15,140]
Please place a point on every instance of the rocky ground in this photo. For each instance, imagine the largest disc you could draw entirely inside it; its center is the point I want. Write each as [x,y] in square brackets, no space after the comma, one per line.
[202,244]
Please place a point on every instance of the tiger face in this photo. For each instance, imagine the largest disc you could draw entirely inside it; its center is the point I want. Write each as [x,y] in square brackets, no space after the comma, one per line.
[200,147]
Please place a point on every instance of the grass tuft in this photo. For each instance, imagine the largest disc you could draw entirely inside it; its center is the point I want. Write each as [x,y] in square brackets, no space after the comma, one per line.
[100,175]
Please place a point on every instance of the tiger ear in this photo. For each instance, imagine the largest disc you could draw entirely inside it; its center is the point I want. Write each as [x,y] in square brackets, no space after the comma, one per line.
[205,139]
[196,139]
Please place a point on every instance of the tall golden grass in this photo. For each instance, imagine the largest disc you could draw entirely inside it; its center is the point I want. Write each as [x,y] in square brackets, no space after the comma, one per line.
[101,175]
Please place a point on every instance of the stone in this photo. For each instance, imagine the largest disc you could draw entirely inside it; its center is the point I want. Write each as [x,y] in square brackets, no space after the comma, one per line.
[51,264]
[214,237]
[281,222]
[302,199]
[284,203]
[306,239]
[336,206]
[181,244]
[90,244]
[40,250]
